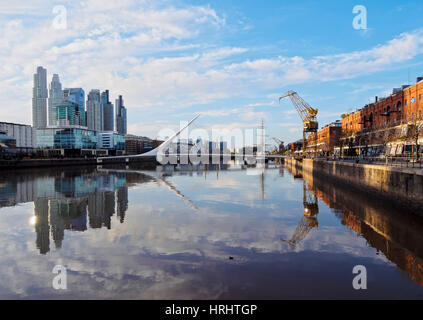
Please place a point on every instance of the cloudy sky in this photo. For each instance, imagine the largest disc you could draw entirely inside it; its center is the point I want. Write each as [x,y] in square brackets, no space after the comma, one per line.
[228,60]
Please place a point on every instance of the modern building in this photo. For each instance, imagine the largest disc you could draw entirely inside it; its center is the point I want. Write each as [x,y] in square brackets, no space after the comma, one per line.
[111,140]
[7,143]
[77,95]
[69,114]
[121,119]
[24,135]
[71,137]
[55,98]
[95,113]
[108,114]
[39,99]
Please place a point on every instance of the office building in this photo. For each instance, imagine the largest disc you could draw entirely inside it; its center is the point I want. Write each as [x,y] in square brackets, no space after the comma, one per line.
[55,98]
[121,120]
[110,140]
[71,137]
[7,143]
[108,114]
[95,111]
[77,96]
[39,99]
[69,114]
[23,134]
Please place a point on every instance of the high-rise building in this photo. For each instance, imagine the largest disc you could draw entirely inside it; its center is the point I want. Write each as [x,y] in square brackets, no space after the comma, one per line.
[108,115]
[95,111]
[121,120]
[77,96]
[68,114]
[55,98]
[39,99]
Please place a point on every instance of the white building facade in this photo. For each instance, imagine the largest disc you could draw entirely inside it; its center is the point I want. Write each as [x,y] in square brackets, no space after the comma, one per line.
[25,135]
[39,99]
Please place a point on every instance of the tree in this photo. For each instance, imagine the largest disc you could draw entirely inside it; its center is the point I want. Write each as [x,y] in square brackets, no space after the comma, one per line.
[414,131]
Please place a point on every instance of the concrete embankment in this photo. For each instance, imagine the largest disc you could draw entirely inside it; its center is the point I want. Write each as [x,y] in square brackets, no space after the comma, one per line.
[47,163]
[400,185]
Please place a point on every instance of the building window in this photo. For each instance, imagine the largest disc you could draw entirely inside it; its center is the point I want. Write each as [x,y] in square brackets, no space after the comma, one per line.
[420,97]
[420,115]
[406,102]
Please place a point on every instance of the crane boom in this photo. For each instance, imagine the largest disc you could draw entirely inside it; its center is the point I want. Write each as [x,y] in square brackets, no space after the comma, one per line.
[306,112]
[307,115]
[302,230]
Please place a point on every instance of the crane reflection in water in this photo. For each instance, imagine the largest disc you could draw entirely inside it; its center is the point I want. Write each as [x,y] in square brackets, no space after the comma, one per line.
[309,219]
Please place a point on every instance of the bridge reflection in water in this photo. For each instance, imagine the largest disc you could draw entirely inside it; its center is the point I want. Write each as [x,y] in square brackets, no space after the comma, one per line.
[183,223]
[396,232]
[64,200]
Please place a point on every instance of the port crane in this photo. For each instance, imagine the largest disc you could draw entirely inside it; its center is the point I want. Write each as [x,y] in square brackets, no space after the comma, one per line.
[307,114]
[280,145]
[309,219]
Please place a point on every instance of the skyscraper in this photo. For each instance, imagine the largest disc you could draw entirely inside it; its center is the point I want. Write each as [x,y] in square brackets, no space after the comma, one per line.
[77,96]
[108,115]
[55,98]
[121,120]
[68,113]
[39,99]
[95,111]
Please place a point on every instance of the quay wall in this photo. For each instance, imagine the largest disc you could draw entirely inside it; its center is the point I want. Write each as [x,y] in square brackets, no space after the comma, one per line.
[47,163]
[403,186]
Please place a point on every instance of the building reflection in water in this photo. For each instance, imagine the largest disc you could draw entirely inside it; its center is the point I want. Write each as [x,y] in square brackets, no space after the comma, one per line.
[70,200]
[66,201]
[396,232]
[73,198]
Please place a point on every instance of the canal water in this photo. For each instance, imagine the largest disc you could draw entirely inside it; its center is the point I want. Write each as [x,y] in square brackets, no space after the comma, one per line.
[201,233]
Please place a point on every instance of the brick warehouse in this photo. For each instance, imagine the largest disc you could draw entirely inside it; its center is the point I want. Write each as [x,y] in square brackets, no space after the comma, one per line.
[325,139]
[377,126]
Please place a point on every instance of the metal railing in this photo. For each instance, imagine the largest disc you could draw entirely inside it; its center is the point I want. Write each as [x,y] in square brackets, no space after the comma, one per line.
[397,161]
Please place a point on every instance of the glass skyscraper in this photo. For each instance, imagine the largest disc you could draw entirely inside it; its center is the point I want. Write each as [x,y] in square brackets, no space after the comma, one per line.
[39,99]
[55,98]
[108,115]
[121,120]
[68,114]
[95,111]
[77,95]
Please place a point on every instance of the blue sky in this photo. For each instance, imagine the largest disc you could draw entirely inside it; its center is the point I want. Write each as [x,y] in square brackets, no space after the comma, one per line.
[229,60]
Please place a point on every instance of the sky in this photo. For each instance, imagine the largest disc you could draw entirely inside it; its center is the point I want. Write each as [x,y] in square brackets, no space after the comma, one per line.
[226,60]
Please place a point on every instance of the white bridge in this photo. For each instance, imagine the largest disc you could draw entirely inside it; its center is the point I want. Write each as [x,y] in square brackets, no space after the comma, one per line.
[159,152]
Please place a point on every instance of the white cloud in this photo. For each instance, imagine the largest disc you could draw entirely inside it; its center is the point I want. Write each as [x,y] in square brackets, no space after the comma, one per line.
[158,57]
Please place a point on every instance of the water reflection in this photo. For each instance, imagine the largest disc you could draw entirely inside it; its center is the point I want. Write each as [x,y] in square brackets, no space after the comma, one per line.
[395,232]
[66,202]
[169,233]
[309,220]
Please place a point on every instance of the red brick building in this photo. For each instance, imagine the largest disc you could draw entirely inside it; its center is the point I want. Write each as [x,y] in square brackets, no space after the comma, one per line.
[325,140]
[384,113]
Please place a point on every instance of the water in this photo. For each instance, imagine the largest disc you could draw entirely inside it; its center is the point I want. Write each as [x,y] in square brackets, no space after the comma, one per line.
[206,234]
